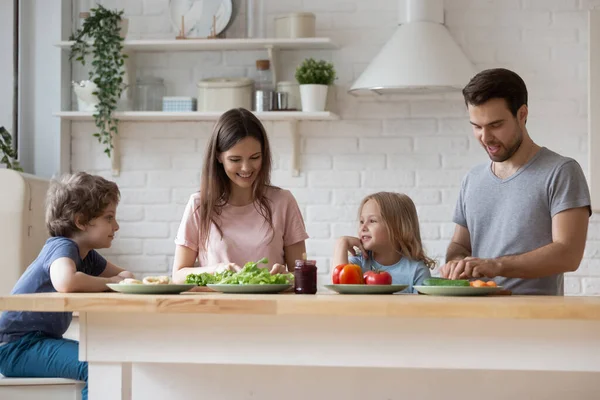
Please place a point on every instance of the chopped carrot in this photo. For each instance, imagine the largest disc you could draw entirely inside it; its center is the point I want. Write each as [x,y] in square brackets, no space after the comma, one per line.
[491,284]
[479,283]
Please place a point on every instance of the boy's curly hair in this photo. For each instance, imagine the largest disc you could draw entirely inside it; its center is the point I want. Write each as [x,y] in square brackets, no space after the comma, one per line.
[78,195]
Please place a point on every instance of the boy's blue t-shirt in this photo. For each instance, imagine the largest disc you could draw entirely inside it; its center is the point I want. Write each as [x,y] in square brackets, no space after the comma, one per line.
[404,272]
[36,279]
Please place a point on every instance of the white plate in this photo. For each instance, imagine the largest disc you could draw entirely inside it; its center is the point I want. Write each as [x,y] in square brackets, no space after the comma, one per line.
[149,289]
[198,16]
[457,290]
[366,289]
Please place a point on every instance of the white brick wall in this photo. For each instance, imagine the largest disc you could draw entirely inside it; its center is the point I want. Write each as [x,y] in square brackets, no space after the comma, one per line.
[420,145]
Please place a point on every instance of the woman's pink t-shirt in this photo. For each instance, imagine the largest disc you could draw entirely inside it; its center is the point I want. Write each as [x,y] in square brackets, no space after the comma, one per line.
[246,234]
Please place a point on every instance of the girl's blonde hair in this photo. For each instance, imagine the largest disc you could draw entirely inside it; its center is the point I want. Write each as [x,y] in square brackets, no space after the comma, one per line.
[399,215]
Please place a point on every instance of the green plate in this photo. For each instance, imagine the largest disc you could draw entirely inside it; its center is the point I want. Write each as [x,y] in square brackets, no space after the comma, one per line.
[249,288]
[457,290]
[366,289]
[149,289]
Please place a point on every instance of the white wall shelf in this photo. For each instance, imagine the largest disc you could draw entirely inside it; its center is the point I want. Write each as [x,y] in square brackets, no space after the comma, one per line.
[292,117]
[158,116]
[273,47]
[222,44]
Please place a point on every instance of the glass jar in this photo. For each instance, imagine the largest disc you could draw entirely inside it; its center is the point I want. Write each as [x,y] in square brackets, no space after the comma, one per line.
[149,91]
[305,277]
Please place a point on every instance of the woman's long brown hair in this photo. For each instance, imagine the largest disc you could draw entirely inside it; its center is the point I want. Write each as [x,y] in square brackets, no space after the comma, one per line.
[215,187]
[399,214]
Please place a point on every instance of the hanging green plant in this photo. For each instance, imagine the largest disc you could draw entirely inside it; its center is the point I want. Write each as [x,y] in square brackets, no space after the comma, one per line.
[101,32]
[7,154]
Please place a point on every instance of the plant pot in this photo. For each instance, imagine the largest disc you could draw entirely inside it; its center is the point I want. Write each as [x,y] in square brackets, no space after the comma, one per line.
[313,97]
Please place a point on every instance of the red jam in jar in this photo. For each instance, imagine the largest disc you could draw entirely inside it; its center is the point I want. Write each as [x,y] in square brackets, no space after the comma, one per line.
[305,277]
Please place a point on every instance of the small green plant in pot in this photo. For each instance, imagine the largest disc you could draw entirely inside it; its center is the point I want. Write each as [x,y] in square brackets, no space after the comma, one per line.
[7,154]
[100,35]
[314,78]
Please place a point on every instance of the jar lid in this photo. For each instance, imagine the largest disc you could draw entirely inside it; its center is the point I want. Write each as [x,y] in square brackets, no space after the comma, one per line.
[296,14]
[225,83]
[263,65]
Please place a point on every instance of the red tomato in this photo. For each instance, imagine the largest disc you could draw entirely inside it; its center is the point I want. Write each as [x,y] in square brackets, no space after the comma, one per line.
[351,274]
[335,277]
[377,278]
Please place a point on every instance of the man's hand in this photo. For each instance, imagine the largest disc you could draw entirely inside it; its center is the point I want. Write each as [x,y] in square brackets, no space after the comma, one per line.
[472,267]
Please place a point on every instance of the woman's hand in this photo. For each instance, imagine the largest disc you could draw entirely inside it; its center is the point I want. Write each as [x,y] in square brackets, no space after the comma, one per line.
[227,267]
[278,269]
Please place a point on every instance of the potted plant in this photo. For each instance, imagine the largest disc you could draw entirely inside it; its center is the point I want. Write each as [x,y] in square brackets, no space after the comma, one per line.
[314,78]
[103,31]
[7,153]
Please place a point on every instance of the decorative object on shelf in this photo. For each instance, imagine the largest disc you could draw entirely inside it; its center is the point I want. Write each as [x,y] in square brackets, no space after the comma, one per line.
[295,25]
[293,94]
[87,99]
[106,29]
[221,94]
[314,78]
[178,104]
[149,92]
[7,153]
[200,18]
[255,19]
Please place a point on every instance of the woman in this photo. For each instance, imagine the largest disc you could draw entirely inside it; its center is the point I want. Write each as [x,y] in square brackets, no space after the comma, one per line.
[238,216]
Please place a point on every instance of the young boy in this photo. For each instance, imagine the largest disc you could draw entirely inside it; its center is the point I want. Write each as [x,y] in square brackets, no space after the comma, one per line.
[80,216]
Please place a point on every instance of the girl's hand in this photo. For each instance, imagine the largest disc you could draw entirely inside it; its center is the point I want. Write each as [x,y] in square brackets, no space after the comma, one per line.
[349,243]
[278,269]
[228,267]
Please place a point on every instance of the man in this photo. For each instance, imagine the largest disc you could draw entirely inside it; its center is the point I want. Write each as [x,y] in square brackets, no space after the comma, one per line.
[521,219]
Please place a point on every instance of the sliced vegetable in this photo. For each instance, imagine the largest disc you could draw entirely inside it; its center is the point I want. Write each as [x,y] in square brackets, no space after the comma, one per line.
[445,282]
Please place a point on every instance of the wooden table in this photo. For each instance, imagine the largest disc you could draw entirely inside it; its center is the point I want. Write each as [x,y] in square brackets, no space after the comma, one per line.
[217,346]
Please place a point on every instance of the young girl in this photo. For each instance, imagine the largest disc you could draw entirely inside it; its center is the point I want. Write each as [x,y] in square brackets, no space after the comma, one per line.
[238,216]
[389,240]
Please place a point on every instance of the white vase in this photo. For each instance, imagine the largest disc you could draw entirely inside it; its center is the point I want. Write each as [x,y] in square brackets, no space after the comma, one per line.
[313,97]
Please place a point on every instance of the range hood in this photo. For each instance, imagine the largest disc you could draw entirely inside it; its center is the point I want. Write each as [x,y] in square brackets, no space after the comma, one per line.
[421,56]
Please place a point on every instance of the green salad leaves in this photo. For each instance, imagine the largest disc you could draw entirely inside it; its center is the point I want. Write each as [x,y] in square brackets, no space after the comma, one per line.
[251,274]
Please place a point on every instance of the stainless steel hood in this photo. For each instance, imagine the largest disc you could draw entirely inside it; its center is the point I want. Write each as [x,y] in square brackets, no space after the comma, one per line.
[421,56]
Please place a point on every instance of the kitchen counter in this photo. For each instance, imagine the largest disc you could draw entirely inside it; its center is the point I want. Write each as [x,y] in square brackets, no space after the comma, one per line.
[496,307]
[272,346]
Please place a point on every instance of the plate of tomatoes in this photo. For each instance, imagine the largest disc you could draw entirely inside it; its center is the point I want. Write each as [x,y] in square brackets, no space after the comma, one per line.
[350,279]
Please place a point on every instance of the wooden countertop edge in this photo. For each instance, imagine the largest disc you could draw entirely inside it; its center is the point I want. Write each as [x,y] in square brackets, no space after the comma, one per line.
[407,306]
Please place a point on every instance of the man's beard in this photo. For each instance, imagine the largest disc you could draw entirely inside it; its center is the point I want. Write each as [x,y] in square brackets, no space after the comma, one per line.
[510,151]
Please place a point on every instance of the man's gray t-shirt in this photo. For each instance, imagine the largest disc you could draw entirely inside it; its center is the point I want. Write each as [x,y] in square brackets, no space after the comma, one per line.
[514,215]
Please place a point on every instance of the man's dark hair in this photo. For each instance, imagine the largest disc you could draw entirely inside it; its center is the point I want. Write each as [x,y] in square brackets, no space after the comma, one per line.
[496,83]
